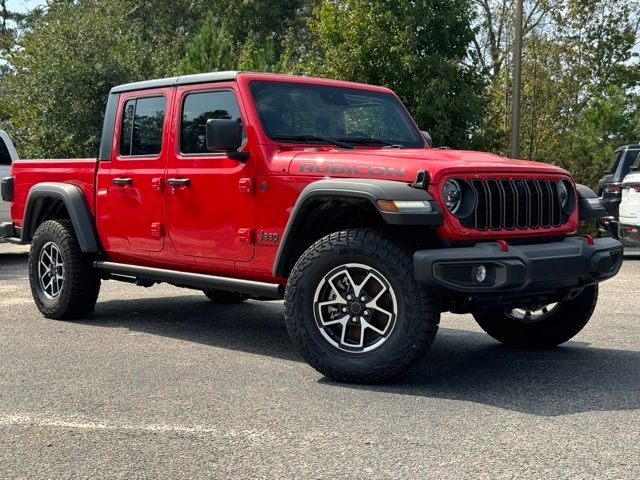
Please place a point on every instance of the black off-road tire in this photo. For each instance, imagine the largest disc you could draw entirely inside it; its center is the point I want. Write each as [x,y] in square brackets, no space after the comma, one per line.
[81,284]
[416,321]
[223,297]
[559,326]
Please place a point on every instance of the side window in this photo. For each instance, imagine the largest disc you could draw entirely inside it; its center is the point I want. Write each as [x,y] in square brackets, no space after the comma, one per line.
[629,158]
[197,109]
[5,158]
[142,122]
[614,162]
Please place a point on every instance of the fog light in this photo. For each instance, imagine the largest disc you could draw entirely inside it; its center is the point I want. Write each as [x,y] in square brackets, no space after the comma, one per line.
[480,273]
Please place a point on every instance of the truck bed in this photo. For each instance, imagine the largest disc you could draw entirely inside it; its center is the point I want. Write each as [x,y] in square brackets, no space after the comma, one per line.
[26,173]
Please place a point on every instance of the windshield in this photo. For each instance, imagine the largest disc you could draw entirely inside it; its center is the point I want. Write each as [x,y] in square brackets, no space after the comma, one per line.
[314,113]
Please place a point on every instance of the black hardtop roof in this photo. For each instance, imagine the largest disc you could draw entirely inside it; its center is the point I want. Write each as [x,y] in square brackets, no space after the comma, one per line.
[181,80]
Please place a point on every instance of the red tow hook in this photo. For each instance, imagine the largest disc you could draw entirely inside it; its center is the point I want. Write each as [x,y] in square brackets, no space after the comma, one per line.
[503,245]
[589,239]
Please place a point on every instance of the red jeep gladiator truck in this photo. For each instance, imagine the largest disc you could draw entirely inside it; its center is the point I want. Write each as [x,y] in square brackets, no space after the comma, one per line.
[321,192]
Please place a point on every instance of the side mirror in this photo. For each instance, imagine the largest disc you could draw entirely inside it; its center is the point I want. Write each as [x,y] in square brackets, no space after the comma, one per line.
[223,134]
[428,138]
[226,135]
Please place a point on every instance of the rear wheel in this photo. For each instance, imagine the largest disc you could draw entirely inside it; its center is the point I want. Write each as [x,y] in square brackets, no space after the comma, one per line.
[354,310]
[541,327]
[64,283]
[221,296]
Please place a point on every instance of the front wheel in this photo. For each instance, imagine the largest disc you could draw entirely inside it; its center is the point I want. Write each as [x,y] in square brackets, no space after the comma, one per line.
[542,327]
[354,310]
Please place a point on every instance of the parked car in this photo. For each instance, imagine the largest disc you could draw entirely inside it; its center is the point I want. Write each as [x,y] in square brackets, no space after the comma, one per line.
[7,156]
[324,192]
[629,210]
[610,186]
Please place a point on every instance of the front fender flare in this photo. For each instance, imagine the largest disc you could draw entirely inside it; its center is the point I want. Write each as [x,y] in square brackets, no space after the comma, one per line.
[589,204]
[367,189]
[76,205]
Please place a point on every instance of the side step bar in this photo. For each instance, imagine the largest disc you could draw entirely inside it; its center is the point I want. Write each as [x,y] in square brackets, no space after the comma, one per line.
[194,280]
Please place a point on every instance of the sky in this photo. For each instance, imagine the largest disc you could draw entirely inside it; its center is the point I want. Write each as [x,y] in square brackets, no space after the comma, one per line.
[23,5]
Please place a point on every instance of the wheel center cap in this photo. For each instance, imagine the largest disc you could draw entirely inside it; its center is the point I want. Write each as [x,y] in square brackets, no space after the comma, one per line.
[355,308]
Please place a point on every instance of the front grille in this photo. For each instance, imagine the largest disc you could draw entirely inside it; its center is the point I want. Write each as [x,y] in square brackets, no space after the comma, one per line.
[507,204]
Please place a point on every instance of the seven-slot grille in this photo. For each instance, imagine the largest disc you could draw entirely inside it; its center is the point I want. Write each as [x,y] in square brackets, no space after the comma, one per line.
[515,204]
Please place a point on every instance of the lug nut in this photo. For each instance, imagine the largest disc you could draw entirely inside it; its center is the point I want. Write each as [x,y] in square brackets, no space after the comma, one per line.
[349,297]
[367,313]
[363,298]
[354,319]
[344,309]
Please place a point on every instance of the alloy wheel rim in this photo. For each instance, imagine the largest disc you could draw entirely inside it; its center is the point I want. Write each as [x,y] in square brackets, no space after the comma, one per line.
[534,314]
[355,308]
[51,270]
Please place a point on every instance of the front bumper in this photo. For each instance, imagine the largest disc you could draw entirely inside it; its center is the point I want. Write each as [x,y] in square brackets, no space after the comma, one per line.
[518,271]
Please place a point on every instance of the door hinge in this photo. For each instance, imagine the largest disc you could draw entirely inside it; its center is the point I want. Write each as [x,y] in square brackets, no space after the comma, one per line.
[246,185]
[157,184]
[245,235]
[157,231]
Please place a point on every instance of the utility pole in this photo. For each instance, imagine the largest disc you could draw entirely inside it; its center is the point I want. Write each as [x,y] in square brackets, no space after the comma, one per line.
[517,83]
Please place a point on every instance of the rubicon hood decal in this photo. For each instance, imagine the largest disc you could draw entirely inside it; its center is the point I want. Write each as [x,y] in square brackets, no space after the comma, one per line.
[341,168]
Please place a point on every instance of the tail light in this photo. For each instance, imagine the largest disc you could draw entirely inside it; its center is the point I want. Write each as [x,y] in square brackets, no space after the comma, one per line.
[635,186]
[613,188]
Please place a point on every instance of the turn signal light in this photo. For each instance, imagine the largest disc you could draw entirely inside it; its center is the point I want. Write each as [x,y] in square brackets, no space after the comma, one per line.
[413,206]
[387,206]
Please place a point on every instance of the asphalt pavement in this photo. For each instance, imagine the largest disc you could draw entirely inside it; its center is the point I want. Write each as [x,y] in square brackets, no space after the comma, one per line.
[162,383]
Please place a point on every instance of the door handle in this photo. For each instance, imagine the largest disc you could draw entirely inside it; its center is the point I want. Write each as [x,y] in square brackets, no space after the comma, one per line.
[122,182]
[179,182]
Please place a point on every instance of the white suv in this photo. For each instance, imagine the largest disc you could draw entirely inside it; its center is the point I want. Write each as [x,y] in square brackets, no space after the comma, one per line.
[629,212]
[7,156]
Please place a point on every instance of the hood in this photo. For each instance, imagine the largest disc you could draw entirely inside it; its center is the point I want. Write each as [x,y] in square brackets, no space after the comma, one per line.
[404,164]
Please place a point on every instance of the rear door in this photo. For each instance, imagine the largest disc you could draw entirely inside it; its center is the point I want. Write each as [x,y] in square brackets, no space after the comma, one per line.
[130,194]
[211,215]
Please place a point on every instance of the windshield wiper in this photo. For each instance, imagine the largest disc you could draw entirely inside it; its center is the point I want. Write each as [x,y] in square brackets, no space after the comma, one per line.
[312,138]
[365,140]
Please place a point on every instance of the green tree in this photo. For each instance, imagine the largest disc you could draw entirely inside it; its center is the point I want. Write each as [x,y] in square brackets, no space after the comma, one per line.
[244,34]
[612,120]
[573,50]
[69,59]
[417,48]
[211,48]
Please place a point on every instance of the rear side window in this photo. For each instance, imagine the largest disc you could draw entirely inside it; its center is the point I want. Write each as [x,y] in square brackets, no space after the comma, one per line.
[197,109]
[627,162]
[5,158]
[636,163]
[614,162]
[141,129]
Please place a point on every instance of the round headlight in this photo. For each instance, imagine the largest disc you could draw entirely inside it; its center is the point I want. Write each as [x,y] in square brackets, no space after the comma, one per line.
[452,195]
[565,194]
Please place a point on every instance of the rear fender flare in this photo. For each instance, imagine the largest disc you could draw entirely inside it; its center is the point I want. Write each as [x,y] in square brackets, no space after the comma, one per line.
[76,205]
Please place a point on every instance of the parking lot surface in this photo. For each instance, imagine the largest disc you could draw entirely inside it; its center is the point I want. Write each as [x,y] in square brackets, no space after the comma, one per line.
[162,383]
